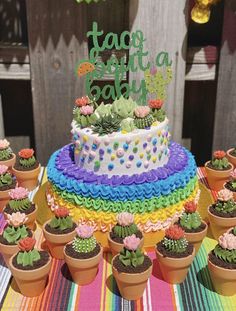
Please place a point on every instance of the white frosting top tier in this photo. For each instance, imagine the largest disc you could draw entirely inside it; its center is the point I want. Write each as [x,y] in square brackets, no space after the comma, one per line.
[122,153]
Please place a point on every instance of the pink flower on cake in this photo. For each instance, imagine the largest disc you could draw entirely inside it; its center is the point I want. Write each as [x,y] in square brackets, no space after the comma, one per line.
[83,101]
[86,110]
[233,174]
[84,231]
[18,193]
[190,207]
[16,219]
[227,241]
[155,103]
[142,111]
[125,219]
[225,195]
[3,169]
[4,144]
[131,242]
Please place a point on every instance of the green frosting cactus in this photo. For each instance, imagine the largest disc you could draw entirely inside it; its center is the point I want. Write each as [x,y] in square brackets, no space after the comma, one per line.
[107,125]
[225,202]
[28,255]
[131,255]
[16,230]
[174,240]
[190,219]
[225,250]
[103,110]
[123,108]
[158,114]
[125,225]
[84,242]
[6,179]
[127,125]
[20,205]
[5,150]
[219,160]
[27,158]
[83,120]
[142,123]
[62,220]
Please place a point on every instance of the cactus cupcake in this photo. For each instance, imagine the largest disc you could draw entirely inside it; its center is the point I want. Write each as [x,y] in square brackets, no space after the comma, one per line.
[125,227]
[231,184]
[143,117]
[7,157]
[27,169]
[83,255]
[20,202]
[7,182]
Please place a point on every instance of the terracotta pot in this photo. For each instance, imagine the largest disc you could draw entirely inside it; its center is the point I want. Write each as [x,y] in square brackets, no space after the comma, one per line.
[31,282]
[83,271]
[231,158]
[56,242]
[224,280]
[7,251]
[115,247]
[27,179]
[131,285]
[30,223]
[217,178]
[4,199]
[234,192]
[220,225]
[9,163]
[174,270]
[196,238]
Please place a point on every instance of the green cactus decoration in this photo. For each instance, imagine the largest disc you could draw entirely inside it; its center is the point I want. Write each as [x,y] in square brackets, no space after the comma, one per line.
[234,230]
[107,125]
[123,108]
[84,120]
[5,154]
[28,162]
[61,223]
[20,205]
[6,180]
[225,207]
[28,258]
[81,245]
[156,84]
[233,152]
[225,255]
[127,125]
[142,123]
[220,163]
[176,246]
[158,114]
[13,235]
[131,258]
[190,220]
[125,231]
[103,110]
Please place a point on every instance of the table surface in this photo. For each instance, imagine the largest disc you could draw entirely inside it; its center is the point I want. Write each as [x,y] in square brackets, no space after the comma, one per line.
[195,293]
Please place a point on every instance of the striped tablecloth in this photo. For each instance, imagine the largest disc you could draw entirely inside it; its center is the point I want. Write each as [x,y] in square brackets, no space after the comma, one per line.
[61,293]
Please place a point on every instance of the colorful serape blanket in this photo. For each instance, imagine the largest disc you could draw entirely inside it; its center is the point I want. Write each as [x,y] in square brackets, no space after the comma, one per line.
[196,293]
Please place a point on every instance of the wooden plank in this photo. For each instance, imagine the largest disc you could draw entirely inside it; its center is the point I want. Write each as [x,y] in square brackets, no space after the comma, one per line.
[56,43]
[19,142]
[14,53]
[203,55]
[164,25]
[225,112]
[200,72]
[15,71]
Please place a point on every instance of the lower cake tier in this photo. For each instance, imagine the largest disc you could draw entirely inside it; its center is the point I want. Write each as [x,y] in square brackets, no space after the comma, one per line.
[156,198]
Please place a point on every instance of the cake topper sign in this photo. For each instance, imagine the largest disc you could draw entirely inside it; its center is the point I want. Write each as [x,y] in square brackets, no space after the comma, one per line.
[156,77]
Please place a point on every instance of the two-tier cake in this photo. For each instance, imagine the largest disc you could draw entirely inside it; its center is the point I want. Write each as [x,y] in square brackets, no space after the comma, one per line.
[122,159]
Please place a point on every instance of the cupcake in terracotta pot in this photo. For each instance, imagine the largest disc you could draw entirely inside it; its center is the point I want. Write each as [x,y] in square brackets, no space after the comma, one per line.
[231,184]
[131,269]
[27,169]
[20,202]
[59,231]
[175,255]
[231,155]
[30,268]
[7,182]
[222,264]
[222,214]
[83,255]
[218,170]
[7,157]
[125,227]
[14,231]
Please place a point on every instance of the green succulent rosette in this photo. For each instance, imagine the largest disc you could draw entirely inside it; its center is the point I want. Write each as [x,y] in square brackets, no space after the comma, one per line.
[107,125]
[131,254]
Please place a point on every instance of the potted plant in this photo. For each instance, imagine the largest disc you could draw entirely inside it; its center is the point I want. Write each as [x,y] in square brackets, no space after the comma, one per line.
[231,184]
[222,264]
[59,231]
[7,157]
[14,231]
[7,182]
[218,170]
[83,255]
[125,227]
[20,202]
[30,268]
[175,255]
[131,269]
[27,169]
[231,155]
[194,227]
[222,214]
